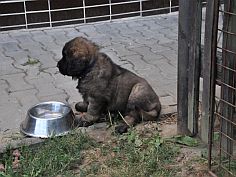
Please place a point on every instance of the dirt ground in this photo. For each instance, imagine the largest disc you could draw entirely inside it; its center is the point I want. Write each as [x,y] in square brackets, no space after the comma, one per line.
[192,161]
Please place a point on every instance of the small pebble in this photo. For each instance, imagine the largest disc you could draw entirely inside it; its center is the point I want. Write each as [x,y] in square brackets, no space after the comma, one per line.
[16,153]
[2,168]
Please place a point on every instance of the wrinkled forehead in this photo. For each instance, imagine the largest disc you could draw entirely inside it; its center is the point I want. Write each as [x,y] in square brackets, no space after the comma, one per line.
[67,46]
[80,48]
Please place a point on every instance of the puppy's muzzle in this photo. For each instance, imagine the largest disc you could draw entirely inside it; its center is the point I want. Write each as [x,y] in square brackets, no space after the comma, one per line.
[62,67]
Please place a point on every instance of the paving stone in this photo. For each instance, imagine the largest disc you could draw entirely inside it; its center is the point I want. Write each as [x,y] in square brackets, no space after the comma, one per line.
[6,65]
[30,46]
[16,82]
[154,75]
[59,36]
[47,61]
[168,100]
[128,42]
[50,46]
[10,116]
[3,90]
[103,28]
[61,97]
[69,87]
[20,58]
[173,46]
[101,40]
[72,33]
[44,84]
[153,26]
[41,37]
[163,40]
[171,88]
[26,98]
[120,26]
[159,48]
[168,110]
[10,111]
[138,62]
[88,30]
[123,51]
[10,46]
[170,33]
[167,70]
[171,55]
[133,24]
[4,38]
[22,37]
[146,52]
[57,53]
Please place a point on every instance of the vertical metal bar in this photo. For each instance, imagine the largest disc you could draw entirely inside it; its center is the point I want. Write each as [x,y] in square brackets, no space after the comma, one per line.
[26,21]
[49,13]
[110,10]
[84,10]
[141,7]
[170,5]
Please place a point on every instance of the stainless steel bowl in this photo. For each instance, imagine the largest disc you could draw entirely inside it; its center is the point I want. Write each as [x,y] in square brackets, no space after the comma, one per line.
[48,119]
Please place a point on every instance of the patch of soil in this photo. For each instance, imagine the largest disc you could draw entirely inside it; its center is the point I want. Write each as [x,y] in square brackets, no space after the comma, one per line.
[189,160]
[191,163]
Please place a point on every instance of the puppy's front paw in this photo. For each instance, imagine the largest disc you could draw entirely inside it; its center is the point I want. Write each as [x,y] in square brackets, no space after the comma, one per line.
[81,107]
[85,120]
[83,123]
[120,129]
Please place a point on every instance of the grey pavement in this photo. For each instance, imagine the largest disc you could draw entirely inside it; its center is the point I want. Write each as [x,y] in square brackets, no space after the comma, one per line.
[146,46]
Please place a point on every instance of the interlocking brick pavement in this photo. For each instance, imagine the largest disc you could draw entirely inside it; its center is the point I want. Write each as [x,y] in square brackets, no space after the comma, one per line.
[146,46]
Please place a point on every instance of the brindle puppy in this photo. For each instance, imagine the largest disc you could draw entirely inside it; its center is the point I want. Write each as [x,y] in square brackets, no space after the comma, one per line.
[106,86]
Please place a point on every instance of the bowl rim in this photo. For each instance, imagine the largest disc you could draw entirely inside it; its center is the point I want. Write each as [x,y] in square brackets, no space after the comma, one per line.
[49,102]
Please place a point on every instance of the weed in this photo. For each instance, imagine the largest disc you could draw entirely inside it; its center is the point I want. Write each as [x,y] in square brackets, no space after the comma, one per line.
[31,61]
[133,156]
[184,140]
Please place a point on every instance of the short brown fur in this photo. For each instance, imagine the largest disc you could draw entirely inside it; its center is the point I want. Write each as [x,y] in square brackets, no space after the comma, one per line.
[105,86]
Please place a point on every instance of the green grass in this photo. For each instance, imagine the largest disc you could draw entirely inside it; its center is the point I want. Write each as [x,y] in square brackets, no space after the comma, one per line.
[127,155]
[54,157]
[133,156]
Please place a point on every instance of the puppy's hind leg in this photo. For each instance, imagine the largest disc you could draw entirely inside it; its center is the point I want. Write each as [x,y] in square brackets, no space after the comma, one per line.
[129,121]
[141,105]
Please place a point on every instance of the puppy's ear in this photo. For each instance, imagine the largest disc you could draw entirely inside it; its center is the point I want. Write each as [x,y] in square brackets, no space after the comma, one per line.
[84,49]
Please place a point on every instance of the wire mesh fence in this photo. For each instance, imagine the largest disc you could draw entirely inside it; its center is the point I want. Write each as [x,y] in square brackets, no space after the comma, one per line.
[222,158]
[17,14]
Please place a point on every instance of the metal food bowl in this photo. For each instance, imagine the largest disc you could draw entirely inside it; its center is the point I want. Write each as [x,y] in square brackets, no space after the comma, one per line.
[48,119]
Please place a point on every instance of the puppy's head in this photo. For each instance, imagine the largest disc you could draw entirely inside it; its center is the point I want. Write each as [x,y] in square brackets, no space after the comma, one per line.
[77,54]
